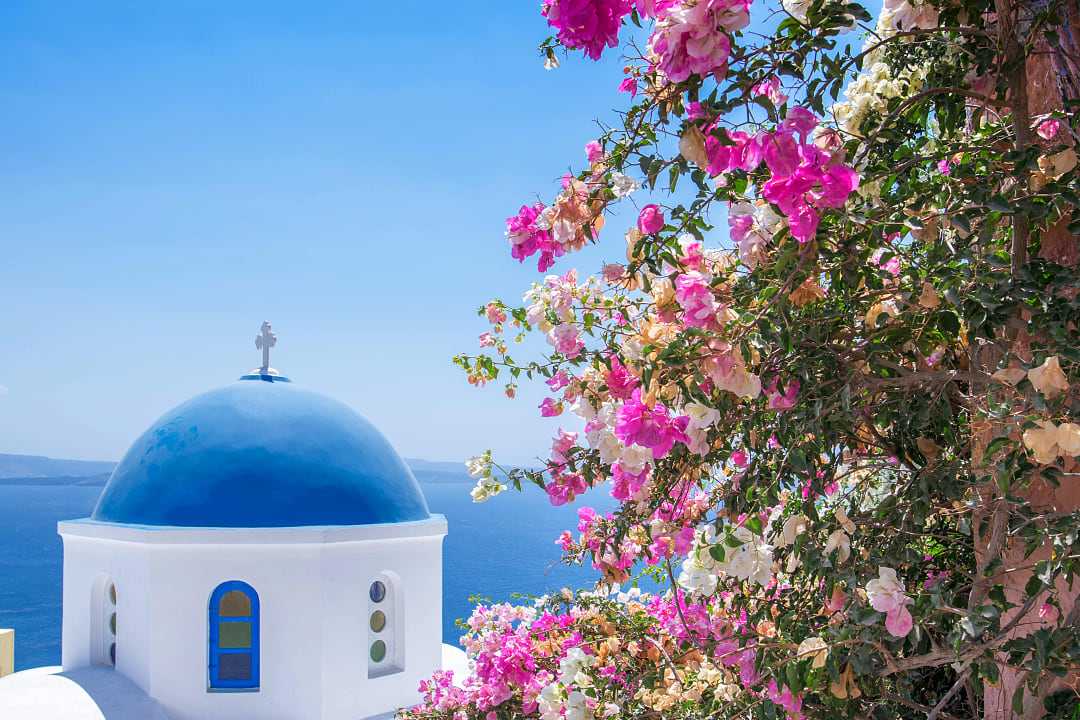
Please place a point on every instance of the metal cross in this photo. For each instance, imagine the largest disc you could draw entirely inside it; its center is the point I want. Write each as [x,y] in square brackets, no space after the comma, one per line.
[264,341]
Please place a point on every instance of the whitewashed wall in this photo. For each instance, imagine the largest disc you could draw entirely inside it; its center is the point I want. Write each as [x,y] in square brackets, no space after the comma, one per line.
[313,594]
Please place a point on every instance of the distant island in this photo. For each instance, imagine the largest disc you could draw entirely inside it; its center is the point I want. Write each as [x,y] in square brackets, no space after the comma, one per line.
[41,470]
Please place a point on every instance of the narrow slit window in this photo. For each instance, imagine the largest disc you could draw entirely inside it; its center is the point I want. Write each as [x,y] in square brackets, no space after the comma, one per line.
[234,637]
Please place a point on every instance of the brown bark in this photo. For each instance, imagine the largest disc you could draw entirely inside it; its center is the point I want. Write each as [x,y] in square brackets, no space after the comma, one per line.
[1036,88]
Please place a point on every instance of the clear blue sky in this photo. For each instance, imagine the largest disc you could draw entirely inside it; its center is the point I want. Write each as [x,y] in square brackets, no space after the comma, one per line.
[171,174]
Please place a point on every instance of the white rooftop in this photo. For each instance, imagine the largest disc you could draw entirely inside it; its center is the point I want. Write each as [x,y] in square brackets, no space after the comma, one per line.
[99,693]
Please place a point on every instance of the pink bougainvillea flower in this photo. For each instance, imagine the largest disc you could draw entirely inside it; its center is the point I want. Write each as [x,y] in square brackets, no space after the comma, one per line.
[629,85]
[565,540]
[653,428]
[771,89]
[561,446]
[944,166]
[525,236]
[494,313]
[653,8]
[650,219]
[558,381]
[594,152]
[692,39]
[886,594]
[899,622]
[621,382]
[626,485]
[550,408]
[739,458]
[694,295]
[566,338]
[589,25]
[1048,129]
[783,400]
[565,487]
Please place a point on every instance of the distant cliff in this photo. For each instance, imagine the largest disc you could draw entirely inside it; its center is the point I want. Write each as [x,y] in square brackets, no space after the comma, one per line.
[38,466]
[40,470]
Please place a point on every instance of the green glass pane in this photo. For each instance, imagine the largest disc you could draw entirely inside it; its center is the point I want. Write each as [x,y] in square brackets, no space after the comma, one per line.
[378,651]
[234,635]
[235,604]
[112,623]
[378,621]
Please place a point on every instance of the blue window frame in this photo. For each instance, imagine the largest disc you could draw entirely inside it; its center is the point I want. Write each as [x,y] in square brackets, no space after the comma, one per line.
[234,637]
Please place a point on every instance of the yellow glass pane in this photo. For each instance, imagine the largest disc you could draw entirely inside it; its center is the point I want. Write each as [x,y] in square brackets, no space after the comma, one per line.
[235,604]
[112,623]
[234,635]
[378,621]
[112,594]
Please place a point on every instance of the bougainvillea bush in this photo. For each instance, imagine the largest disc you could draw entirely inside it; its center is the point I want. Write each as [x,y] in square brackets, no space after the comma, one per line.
[829,373]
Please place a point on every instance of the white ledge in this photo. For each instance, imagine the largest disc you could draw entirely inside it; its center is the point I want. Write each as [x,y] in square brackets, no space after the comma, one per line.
[321,534]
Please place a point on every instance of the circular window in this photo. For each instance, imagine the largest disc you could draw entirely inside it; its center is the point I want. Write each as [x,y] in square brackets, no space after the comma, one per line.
[378,621]
[112,594]
[378,651]
[112,623]
[112,653]
[377,591]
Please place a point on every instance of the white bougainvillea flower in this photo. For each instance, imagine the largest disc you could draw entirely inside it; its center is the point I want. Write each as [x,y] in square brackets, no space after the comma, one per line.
[793,527]
[623,185]
[701,416]
[839,541]
[480,465]
[886,591]
[1048,377]
[814,647]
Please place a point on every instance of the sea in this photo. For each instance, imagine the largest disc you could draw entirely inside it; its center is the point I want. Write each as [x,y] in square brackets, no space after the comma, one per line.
[494,550]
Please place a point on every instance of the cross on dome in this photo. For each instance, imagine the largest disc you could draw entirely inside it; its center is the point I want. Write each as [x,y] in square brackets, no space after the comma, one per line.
[265,340]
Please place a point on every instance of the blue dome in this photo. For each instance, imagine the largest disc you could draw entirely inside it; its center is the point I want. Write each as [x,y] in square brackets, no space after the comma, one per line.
[261,453]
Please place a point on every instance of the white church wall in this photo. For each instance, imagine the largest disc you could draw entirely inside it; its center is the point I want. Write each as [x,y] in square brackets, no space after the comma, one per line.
[312,585]
[286,579]
[89,565]
[414,567]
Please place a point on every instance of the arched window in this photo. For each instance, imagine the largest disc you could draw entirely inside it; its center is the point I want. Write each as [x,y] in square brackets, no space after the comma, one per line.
[234,637]
[386,646]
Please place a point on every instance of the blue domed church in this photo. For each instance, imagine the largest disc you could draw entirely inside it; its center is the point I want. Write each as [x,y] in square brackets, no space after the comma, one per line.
[261,552]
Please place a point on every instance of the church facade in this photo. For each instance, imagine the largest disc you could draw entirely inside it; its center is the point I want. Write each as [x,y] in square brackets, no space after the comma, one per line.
[260,552]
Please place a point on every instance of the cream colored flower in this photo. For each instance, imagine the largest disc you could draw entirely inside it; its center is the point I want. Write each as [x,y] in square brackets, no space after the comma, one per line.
[839,541]
[929,298]
[813,647]
[1068,438]
[844,520]
[806,293]
[692,146]
[1058,164]
[1009,375]
[887,307]
[1048,377]
[1048,441]
[794,526]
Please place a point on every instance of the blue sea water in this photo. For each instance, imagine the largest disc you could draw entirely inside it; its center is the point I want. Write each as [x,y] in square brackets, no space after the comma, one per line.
[493,549]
